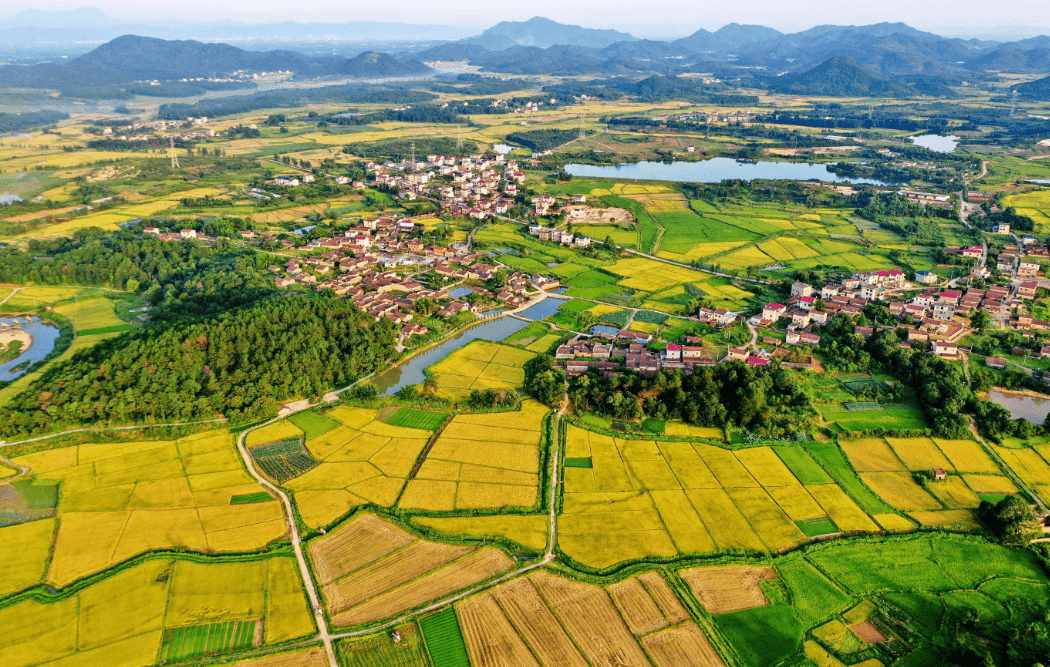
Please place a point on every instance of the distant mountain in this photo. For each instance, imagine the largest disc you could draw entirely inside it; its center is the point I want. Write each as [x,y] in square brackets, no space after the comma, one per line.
[1034,90]
[543,32]
[113,69]
[730,38]
[840,77]
[1013,60]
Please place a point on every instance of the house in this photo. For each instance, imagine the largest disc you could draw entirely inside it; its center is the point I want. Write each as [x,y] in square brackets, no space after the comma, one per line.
[1027,268]
[1001,228]
[973,252]
[736,354]
[188,233]
[151,230]
[1027,290]
[995,362]
[673,353]
[939,475]
[801,289]
[773,312]
[757,361]
[943,348]
[926,277]
[718,316]
[943,311]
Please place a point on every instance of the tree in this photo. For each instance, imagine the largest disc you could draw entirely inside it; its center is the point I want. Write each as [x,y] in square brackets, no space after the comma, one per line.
[1016,521]
[132,285]
[979,320]
[497,281]
[586,320]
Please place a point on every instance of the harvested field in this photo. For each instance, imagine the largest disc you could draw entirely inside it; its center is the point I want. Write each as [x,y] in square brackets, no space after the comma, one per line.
[729,588]
[354,544]
[490,638]
[461,573]
[584,609]
[536,624]
[388,572]
[637,607]
[312,657]
[685,644]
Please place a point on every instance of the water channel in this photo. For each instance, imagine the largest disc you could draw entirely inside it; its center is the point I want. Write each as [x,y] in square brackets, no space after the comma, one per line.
[715,170]
[44,337]
[411,372]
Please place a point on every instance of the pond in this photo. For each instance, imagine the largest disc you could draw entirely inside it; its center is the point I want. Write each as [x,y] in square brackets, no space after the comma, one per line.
[411,372]
[1022,406]
[457,292]
[936,142]
[599,329]
[44,337]
[715,170]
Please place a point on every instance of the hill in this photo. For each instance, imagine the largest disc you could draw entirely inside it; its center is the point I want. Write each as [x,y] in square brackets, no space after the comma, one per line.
[543,32]
[728,39]
[840,77]
[1034,90]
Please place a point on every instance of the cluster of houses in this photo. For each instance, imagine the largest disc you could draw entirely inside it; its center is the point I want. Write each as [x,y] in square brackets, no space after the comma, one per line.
[480,186]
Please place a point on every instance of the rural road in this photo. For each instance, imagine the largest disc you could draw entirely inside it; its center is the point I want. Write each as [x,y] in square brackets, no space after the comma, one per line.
[297,543]
[693,268]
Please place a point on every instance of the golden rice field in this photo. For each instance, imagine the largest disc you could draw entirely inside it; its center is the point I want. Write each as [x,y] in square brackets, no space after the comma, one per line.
[120,620]
[643,498]
[729,587]
[363,460]
[480,365]
[546,619]
[370,569]
[481,461]
[887,465]
[650,275]
[118,500]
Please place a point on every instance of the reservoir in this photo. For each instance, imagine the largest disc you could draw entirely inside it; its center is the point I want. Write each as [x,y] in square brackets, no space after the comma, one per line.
[936,142]
[1022,406]
[495,330]
[715,170]
[44,337]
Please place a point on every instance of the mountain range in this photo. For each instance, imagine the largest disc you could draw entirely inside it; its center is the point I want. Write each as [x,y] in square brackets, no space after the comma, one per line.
[882,59]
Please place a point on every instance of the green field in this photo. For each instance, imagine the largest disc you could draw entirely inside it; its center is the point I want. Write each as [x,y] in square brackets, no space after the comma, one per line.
[313,424]
[421,419]
[444,640]
[200,640]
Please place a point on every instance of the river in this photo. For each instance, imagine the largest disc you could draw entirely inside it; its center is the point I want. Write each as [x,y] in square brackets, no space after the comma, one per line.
[715,170]
[1022,406]
[411,372]
[44,337]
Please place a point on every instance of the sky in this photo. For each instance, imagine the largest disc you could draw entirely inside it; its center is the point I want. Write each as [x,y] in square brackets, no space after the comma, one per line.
[666,18]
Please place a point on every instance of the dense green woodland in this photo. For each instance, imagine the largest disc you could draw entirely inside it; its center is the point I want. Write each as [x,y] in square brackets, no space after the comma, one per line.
[765,401]
[237,363]
[179,280]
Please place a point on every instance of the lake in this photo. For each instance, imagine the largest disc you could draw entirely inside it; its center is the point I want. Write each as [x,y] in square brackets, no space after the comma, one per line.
[715,170]
[936,142]
[1033,408]
[411,372]
[44,337]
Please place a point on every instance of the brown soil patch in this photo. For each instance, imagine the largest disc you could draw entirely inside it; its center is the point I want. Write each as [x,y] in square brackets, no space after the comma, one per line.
[730,588]
[869,633]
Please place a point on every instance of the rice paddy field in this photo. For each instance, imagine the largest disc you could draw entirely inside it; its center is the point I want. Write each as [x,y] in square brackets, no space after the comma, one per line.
[371,569]
[117,500]
[640,498]
[360,460]
[480,364]
[158,610]
[482,461]
[888,467]
[546,619]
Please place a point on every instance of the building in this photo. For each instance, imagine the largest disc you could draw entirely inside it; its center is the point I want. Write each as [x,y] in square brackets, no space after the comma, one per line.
[926,277]
[1001,228]
[801,289]
[773,311]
